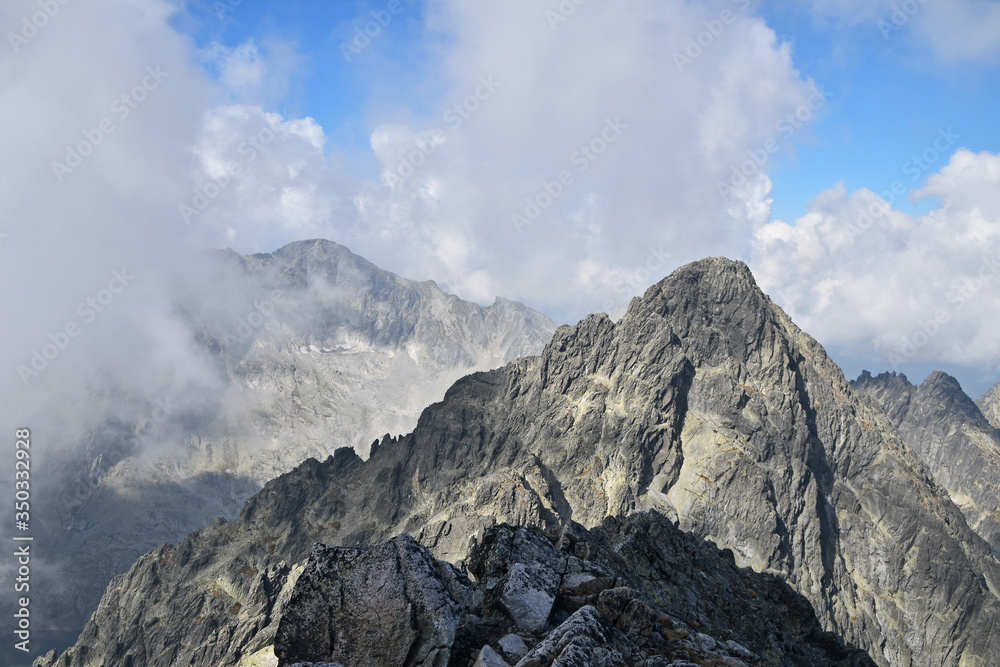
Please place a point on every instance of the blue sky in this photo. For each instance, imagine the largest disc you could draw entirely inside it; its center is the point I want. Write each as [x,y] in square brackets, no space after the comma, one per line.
[364,147]
[889,97]
[333,83]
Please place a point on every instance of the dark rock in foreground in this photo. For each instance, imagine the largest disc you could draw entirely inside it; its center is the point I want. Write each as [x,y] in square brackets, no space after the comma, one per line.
[633,592]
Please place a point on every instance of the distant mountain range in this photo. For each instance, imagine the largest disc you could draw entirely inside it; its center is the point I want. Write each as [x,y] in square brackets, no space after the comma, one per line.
[952,436]
[312,348]
[989,404]
[573,496]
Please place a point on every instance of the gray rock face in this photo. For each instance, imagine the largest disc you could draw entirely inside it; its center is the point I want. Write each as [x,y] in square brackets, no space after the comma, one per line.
[585,638]
[513,646]
[703,403]
[616,623]
[393,605]
[307,349]
[989,404]
[489,658]
[950,434]
[528,595]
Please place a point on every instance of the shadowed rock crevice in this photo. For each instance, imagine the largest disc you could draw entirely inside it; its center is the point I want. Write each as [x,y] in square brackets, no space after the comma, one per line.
[819,467]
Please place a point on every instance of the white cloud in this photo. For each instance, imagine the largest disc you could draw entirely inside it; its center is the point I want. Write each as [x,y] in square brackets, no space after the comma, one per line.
[855,273]
[962,30]
[93,158]
[528,98]
[520,99]
[252,73]
[241,69]
[98,111]
[263,177]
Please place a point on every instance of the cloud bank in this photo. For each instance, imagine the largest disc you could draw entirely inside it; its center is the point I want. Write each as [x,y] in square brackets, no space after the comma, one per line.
[862,275]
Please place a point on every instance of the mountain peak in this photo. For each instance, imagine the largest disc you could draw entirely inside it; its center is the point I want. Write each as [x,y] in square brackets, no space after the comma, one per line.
[951,436]
[706,285]
[716,306]
[945,389]
[942,380]
[726,275]
[885,376]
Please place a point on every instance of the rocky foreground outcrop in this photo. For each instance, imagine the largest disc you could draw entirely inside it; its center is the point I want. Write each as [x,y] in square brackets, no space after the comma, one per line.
[704,403]
[634,591]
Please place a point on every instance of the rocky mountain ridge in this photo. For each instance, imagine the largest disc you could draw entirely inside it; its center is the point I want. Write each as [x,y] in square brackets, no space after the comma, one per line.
[989,405]
[304,350]
[704,403]
[950,434]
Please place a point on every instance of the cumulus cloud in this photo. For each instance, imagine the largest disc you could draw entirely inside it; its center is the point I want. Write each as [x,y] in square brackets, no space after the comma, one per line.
[642,112]
[253,73]
[568,160]
[866,277]
[261,180]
